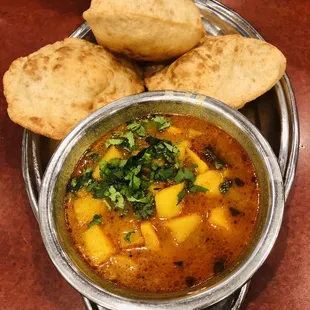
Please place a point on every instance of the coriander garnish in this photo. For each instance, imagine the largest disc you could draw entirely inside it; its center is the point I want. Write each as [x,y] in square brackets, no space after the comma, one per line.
[97,220]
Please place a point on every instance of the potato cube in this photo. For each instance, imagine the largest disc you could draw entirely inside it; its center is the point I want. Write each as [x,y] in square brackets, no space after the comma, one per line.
[82,193]
[120,268]
[182,147]
[192,133]
[218,217]
[226,173]
[86,207]
[174,130]
[135,239]
[202,166]
[124,262]
[111,153]
[150,236]
[210,180]
[182,227]
[166,201]
[98,246]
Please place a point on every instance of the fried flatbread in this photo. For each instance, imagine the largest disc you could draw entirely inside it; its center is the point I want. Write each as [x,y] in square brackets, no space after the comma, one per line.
[152,30]
[231,68]
[51,90]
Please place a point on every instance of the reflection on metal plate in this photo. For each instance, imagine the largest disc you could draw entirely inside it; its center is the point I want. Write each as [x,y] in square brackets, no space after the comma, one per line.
[274,114]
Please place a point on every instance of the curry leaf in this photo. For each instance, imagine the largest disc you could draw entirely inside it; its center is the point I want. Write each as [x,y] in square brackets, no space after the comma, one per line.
[224,186]
[212,157]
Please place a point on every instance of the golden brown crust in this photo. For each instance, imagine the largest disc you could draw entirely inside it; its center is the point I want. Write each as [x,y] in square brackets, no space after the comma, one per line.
[153,30]
[53,89]
[230,68]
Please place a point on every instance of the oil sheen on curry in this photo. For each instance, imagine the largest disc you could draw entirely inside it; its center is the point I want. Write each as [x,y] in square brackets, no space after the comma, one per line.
[162,203]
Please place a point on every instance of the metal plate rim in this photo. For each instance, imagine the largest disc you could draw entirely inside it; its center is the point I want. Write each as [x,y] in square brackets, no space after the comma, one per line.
[290,162]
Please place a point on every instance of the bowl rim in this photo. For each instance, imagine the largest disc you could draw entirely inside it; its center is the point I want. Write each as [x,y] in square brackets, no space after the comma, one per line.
[237,277]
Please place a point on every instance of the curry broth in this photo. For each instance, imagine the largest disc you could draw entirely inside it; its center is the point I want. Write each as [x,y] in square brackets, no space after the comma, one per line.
[210,248]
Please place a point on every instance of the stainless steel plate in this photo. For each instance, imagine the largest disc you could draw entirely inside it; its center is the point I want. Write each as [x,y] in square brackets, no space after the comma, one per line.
[274,114]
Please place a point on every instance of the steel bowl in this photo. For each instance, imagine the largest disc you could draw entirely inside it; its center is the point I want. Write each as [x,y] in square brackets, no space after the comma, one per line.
[58,242]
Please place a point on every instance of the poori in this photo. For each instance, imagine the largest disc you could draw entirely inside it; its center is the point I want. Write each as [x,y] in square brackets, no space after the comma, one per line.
[151,30]
[230,68]
[54,88]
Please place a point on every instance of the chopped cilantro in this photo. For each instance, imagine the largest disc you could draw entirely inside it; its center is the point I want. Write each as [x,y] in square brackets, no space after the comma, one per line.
[190,188]
[181,195]
[161,122]
[97,220]
[152,140]
[185,174]
[138,128]
[74,182]
[134,181]
[115,141]
[219,165]
[164,174]
[164,149]
[198,188]
[107,204]
[85,179]
[143,207]
[224,186]
[127,238]
[117,198]
[126,182]
[130,140]
[92,155]
[126,140]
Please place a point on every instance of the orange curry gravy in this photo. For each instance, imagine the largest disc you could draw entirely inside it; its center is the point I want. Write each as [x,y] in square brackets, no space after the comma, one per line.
[185,253]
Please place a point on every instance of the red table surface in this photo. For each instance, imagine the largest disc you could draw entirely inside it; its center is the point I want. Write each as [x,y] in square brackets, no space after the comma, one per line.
[29,280]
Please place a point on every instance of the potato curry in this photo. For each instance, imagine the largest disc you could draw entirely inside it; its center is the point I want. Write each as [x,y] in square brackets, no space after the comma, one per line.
[162,203]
